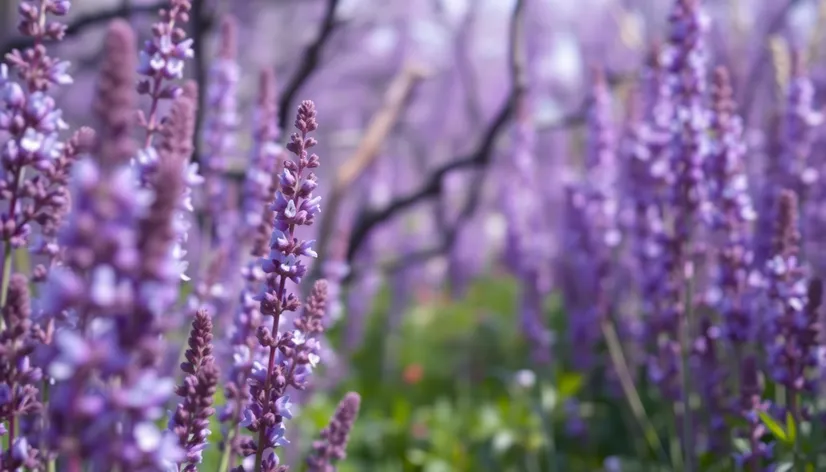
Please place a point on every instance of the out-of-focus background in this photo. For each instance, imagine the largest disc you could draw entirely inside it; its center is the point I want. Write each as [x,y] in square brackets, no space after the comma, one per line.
[418,104]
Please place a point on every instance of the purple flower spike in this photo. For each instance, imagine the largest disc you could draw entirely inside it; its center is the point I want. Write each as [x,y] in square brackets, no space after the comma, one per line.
[592,233]
[733,213]
[333,443]
[162,60]
[118,279]
[34,162]
[792,310]
[220,123]
[19,394]
[191,418]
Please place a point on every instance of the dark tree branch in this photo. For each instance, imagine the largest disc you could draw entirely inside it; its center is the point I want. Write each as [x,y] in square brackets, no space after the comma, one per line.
[309,63]
[200,23]
[91,20]
[433,186]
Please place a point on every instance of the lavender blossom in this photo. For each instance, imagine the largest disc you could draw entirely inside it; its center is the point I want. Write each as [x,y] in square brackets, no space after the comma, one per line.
[592,231]
[294,206]
[794,322]
[119,267]
[800,120]
[258,195]
[259,185]
[34,162]
[686,67]
[733,213]
[19,395]
[191,418]
[649,177]
[524,254]
[333,443]
[161,60]
[220,122]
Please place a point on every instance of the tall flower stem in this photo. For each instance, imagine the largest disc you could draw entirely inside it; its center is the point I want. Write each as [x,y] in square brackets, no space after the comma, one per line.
[259,453]
[7,247]
[685,355]
[612,340]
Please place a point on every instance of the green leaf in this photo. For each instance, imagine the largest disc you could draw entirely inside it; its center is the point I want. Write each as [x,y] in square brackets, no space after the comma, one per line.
[569,384]
[791,427]
[774,427]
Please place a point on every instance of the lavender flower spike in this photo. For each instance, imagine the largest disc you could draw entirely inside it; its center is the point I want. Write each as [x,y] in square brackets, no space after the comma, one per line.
[792,346]
[119,248]
[333,444]
[18,378]
[294,206]
[31,123]
[162,59]
[256,229]
[220,123]
[191,418]
[733,212]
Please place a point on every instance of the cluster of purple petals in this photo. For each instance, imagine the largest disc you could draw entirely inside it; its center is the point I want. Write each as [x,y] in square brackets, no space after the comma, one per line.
[258,195]
[190,420]
[162,62]
[792,315]
[732,214]
[221,121]
[649,175]
[34,163]
[333,443]
[291,355]
[82,385]
[592,231]
[524,254]
[115,284]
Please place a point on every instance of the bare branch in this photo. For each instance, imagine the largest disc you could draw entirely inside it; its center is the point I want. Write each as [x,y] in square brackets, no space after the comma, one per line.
[309,63]
[433,186]
[368,148]
[91,20]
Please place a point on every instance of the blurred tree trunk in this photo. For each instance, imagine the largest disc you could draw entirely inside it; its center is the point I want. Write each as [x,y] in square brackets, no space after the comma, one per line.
[7,12]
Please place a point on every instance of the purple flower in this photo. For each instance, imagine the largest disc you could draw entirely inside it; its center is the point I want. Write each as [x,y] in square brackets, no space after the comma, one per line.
[118,279]
[526,254]
[191,418]
[220,123]
[34,162]
[732,213]
[591,231]
[333,443]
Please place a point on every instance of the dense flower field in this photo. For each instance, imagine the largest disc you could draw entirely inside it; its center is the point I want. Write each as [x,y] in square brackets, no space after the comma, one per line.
[199,273]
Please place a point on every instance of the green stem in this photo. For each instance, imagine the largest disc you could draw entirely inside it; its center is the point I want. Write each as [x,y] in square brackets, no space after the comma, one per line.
[685,354]
[4,285]
[223,466]
[629,389]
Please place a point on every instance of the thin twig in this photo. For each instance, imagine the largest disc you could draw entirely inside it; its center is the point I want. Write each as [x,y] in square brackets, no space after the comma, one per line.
[309,63]
[368,148]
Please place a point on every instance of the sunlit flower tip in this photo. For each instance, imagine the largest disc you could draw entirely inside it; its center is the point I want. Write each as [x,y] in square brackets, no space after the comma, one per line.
[248,418]
[283,405]
[290,211]
[307,249]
